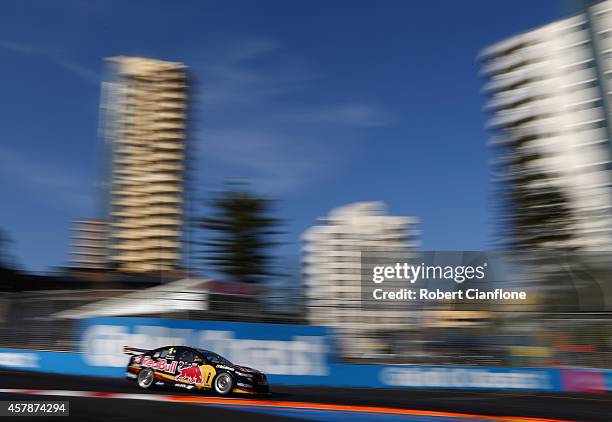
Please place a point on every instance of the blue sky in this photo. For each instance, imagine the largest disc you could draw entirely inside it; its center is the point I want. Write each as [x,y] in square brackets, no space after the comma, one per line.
[318,103]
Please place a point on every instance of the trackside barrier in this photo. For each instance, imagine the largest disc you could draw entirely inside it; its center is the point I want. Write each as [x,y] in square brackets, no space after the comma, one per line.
[289,354]
[338,375]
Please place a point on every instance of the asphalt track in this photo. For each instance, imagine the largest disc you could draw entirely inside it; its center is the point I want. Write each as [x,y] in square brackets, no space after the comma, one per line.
[102,399]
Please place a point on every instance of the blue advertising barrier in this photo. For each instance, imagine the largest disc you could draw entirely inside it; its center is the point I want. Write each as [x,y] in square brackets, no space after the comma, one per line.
[277,349]
[338,375]
[289,354]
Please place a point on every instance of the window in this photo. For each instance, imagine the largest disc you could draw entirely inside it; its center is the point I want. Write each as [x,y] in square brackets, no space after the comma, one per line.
[186,355]
[214,358]
[167,353]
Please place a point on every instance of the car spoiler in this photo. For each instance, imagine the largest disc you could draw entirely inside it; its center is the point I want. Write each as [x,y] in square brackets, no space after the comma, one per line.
[128,350]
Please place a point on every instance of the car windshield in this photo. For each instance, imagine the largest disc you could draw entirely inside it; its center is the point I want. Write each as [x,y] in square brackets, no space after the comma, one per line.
[213,357]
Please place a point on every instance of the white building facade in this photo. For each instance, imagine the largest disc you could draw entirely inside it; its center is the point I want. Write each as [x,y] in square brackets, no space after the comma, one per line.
[332,270]
[549,92]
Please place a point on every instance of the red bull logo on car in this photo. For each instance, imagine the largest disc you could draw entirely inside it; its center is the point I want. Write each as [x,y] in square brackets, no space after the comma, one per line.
[192,374]
[159,365]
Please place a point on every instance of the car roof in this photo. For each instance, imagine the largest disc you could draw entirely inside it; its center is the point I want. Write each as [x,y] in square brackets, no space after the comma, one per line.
[170,347]
[195,349]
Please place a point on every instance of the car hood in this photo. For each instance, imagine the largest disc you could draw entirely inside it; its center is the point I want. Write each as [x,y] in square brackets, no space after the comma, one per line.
[246,369]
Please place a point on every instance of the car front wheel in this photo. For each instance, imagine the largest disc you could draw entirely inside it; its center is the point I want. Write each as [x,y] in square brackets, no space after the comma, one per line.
[223,384]
[146,378]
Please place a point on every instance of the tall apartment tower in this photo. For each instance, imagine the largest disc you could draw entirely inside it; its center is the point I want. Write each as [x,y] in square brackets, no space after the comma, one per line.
[549,93]
[332,271]
[144,102]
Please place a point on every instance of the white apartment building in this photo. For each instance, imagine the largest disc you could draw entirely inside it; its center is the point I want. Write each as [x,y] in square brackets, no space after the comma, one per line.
[332,270]
[549,93]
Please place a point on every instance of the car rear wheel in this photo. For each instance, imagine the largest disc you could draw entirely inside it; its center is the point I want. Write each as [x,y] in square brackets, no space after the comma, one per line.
[223,384]
[146,378]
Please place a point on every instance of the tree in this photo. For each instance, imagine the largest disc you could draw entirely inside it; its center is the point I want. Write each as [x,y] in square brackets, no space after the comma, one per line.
[536,214]
[6,261]
[241,233]
[8,268]
[537,221]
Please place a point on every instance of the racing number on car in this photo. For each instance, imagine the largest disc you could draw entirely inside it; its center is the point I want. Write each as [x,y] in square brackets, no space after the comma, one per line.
[208,372]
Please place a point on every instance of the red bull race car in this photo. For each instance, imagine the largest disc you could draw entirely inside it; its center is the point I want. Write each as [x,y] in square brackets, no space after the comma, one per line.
[192,368]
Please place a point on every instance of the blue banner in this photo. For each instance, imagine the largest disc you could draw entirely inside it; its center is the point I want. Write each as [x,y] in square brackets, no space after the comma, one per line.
[288,354]
[276,349]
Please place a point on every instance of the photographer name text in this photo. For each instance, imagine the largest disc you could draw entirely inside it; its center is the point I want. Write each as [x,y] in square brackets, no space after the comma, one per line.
[405,272]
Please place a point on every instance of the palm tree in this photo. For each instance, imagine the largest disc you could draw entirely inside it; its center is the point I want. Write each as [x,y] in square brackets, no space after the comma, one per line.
[241,232]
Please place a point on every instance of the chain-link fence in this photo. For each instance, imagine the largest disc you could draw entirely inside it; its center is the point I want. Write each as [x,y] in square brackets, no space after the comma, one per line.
[49,319]
[32,320]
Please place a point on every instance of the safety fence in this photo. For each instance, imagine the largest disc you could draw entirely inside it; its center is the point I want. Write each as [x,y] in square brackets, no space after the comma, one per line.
[493,338]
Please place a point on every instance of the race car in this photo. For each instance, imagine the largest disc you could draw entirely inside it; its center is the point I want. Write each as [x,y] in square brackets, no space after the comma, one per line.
[192,368]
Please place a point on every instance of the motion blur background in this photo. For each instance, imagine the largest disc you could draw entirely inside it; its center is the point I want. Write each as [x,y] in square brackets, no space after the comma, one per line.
[156,166]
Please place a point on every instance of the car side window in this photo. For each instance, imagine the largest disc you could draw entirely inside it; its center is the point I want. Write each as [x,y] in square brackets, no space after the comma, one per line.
[186,355]
[212,359]
[171,353]
[167,353]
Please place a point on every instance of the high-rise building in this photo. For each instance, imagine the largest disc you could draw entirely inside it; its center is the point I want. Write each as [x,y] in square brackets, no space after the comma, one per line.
[89,244]
[549,92]
[331,261]
[144,102]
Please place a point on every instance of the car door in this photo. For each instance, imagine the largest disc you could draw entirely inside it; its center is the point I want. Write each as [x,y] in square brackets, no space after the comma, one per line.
[188,371]
[163,363]
[209,370]
[192,368]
